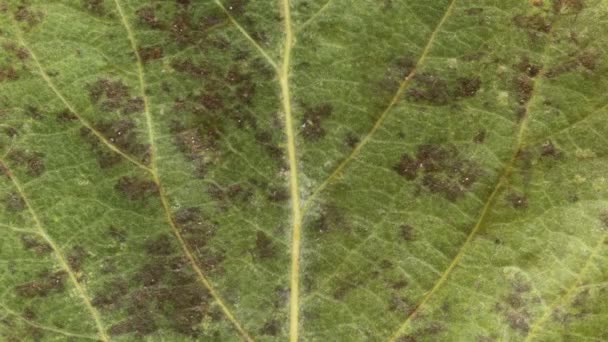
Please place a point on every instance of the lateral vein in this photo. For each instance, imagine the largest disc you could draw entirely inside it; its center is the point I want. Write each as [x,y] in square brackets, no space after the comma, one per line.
[63,263]
[402,86]
[156,178]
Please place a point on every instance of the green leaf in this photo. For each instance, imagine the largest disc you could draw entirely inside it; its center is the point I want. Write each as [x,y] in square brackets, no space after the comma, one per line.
[312,170]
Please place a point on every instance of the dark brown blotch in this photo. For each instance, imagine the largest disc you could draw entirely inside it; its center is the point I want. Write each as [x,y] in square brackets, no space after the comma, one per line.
[525,66]
[191,68]
[429,87]
[534,22]
[36,244]
[330,219]
[271,328]
[443,170]
[109,94]
[136,188]
[312,128]
[111,293]
[133,105]
[161,245]
[277,194]
[548,149]
[45,284]
[467,86]
[66,116]
[264,247]
[76,258]
[407,167]
[480,136]
[14,202]
[517,200]
[24,14]
[147,15]
[94,6]
[8,73]
[150,53]
[524,86]
[32,161]
[19,52]
[574,6]
[407,232]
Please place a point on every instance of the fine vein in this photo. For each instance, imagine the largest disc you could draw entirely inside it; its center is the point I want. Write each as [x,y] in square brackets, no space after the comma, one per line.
[63,263]
[156,178]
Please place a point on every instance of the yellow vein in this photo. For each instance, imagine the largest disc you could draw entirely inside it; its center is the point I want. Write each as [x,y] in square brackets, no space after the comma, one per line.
[44,327]
[71,108]
[156,177]
[502,180]
[248,36]
[402,86]
[575,285]
[57,252]
[294,189]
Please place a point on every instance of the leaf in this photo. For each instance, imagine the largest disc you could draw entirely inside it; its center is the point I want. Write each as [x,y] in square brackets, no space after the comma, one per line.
[324,170]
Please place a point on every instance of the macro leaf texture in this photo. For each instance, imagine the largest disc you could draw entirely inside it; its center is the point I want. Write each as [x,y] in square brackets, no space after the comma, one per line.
[303,170]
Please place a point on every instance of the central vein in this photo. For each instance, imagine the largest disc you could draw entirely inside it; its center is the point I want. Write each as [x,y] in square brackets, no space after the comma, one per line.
[296,215]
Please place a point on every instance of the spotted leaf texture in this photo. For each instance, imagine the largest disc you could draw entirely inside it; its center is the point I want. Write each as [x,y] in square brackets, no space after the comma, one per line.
[303,170]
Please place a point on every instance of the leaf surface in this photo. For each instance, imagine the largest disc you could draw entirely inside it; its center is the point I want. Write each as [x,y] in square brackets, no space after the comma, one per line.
[313,170]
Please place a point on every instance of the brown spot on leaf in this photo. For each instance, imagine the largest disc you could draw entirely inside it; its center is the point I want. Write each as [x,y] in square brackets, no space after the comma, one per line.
[159,246]
[45,284]
[467,86]
[32,161]
[36,244]
[524,86]
[271,328]
[120,133]
[136,188]
[480,137]
[586,59]
[518,200]
[94,6]
[311,128]
[8,73]
[147,16]
[535,22]
[407,232]
[109,94]
[277,194]
[525,66]
[111,293]
[133,105]
[575,6]
[150,53]
[76,258]
[264,247]
[189,67]
[429,88]
[24,14]
[14,202]
[66,116]
[407,167]
[548,149]
[139,324]
[444,171]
